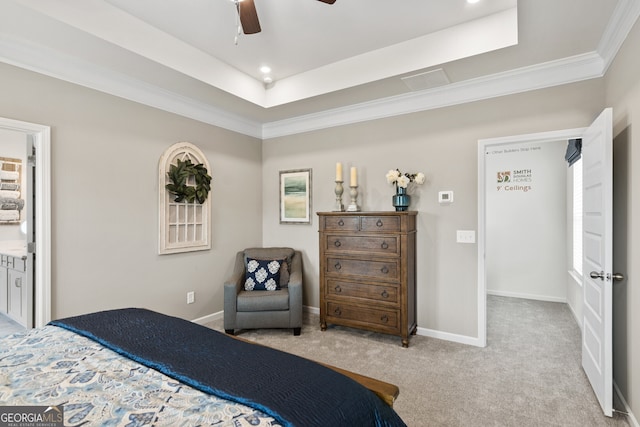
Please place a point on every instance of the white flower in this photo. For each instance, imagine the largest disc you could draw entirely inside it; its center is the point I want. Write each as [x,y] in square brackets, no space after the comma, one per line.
[261,275]
[399,179]
[393,175]
[403,181]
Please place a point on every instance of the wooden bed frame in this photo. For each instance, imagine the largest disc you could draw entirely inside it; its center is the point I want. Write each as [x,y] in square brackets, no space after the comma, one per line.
[386,391]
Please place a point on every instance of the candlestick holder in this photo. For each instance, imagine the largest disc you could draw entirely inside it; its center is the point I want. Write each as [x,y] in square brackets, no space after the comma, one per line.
[339,190]
[353,206]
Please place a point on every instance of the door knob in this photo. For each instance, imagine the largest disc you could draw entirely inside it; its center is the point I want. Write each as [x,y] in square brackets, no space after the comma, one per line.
[616,276]
[596,275]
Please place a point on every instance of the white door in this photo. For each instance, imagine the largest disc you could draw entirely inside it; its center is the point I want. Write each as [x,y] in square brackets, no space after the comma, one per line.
[597,164]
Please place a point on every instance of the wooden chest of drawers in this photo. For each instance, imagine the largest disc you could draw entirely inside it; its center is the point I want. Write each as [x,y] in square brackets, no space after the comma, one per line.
[368,271]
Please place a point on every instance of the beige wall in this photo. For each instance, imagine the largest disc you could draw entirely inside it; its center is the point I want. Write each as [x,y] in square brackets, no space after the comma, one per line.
[442,144]
[105,154]
[623,94]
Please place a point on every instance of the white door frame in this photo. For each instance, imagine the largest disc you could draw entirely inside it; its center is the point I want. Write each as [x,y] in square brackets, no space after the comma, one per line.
[42,141]
[483,146]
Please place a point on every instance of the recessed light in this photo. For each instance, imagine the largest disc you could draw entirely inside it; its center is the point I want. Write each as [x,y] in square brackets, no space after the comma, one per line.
[265,69]
[472,1]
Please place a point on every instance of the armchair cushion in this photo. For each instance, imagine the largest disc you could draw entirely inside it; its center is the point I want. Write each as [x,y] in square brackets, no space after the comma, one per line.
[262,275]
[263,301]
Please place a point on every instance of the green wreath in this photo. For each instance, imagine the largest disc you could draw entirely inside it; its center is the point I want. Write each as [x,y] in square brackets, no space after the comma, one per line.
[179,175]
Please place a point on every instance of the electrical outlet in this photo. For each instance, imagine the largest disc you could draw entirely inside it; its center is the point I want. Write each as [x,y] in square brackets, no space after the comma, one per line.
[466,236]
[191,297]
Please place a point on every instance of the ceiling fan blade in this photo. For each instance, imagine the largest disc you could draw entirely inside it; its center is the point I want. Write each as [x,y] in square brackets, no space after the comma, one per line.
[328,1]
[249,17]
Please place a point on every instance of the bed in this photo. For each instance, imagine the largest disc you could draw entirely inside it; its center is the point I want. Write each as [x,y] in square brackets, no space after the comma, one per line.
[136,367]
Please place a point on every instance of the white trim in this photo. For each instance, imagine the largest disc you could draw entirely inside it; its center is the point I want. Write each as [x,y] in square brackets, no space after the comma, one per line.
[563,71]
[575,316]
[632,419]
[209,318]
[622,21]
[447,336]
[311,310]
[483,145]
[42,141]
[526,296]
[49,62]
[539,76]
[575,276]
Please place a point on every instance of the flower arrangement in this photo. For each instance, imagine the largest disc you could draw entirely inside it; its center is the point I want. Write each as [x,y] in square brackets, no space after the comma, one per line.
[402,180]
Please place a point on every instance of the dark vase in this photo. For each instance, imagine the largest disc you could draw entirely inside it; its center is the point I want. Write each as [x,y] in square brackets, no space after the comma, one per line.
[401,200]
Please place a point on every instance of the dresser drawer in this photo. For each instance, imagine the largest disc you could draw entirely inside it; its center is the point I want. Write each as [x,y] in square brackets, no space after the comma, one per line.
[380,224]
[387,318]
[387,245]
[342,289]
[375,269]
[341,223]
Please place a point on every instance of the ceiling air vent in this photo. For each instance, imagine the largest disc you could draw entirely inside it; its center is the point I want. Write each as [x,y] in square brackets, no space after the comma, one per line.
[427,80]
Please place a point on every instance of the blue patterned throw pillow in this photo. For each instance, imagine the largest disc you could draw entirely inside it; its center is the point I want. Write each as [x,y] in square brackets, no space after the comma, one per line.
[262,275]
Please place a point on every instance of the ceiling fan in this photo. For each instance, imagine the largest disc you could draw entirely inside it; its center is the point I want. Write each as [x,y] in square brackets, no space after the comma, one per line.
[249,16]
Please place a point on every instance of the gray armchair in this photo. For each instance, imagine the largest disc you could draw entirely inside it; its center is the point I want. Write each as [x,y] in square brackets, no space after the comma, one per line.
[281,308]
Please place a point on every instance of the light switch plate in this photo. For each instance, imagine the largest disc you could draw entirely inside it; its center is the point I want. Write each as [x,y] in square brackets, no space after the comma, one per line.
[466,236]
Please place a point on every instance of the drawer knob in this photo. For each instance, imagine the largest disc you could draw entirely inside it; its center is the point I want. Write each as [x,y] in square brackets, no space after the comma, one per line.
[337,266]
[385,318]
[18,282]
[341,223]
[384,269]
[379,223]
[337,243]
[384,245]
[337,311]
[338,288]
[385,294]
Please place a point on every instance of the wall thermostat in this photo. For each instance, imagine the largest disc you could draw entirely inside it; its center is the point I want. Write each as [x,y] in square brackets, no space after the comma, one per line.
[445,197]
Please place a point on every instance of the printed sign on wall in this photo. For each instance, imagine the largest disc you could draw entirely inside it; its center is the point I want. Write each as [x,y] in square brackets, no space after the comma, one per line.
[516,178]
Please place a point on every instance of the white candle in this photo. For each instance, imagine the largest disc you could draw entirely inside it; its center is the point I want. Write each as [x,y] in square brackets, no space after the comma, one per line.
[338,171]
[354,177]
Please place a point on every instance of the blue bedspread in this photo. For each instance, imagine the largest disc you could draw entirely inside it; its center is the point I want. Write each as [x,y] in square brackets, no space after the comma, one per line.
[293,390]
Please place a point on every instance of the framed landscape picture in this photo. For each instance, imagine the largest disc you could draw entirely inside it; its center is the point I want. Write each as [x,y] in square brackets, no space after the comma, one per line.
[295,196]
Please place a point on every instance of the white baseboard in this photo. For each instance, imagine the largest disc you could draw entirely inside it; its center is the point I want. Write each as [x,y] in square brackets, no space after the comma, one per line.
[526,296]
[632,419]
[209,318]
[220,314]
[462,339]
[575,316]
[312,310]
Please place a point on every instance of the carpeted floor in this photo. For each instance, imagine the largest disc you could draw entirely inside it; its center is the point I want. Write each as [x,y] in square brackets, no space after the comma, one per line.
[528,375]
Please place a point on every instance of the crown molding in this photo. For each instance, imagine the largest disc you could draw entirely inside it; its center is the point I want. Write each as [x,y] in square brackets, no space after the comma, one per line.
[42,60]
[563,71]
[24,54]
[624,17]
[539,76]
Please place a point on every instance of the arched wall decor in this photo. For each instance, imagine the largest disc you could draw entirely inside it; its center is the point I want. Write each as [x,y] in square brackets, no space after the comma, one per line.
[183,226]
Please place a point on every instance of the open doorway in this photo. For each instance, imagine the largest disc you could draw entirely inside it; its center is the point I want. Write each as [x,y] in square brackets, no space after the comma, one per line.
[509,251]
[35,266]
